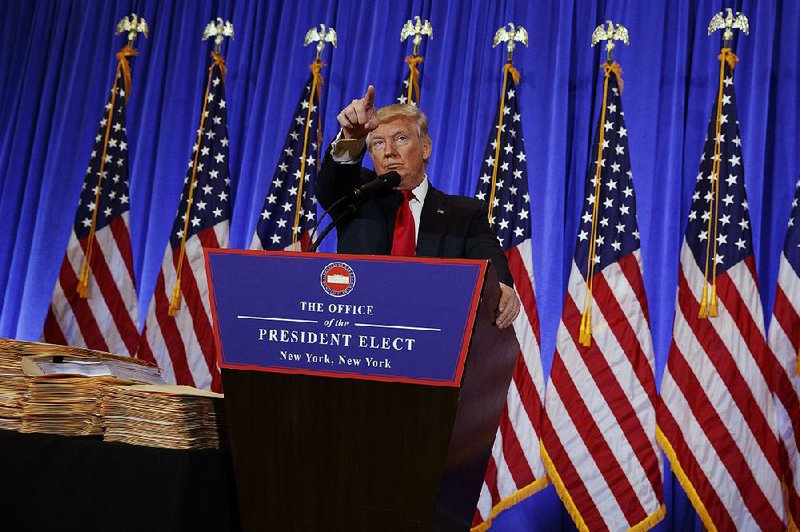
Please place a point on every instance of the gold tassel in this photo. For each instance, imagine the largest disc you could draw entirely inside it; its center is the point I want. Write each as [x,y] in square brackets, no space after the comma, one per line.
[704,302]
[83,282]
[585,336]
[175,300]
[713,311]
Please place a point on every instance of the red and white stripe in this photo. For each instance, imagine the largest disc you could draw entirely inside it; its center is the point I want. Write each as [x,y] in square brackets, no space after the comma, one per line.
[600,423]
[784,340]
[183,345]
[717,416]
[515,468]
[107,319]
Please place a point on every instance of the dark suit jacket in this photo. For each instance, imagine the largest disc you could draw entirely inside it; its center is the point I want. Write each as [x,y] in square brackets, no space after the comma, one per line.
[450,226]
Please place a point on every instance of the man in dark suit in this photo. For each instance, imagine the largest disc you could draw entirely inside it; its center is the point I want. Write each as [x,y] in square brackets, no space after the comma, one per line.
[414,218]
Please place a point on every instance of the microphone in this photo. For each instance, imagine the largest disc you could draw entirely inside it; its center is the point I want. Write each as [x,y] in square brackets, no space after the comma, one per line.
[385,181]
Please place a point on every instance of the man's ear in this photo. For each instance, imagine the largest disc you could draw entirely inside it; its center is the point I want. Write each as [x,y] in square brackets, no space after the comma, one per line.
[427,149]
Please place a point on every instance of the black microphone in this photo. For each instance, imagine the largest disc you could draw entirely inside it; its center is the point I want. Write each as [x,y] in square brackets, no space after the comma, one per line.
[385,181]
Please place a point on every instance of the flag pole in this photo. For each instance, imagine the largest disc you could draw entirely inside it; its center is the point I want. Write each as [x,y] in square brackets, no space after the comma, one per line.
[619,33]
[415,29]
[219,31]
[133,25]
[708,302]
[511,36]
[320,37]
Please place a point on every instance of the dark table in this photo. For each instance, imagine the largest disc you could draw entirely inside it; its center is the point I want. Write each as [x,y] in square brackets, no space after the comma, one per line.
[62,483]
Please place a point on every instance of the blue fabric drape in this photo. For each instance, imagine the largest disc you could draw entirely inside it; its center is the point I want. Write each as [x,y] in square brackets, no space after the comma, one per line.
[57,60]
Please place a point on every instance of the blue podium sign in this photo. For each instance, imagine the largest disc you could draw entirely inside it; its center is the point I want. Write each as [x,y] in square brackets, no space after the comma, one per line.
[354,316]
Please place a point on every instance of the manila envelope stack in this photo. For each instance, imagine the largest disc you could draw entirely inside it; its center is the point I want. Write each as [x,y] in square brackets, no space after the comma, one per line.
[46,393]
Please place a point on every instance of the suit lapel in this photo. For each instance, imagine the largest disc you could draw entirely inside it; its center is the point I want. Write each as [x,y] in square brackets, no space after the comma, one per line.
[432,223]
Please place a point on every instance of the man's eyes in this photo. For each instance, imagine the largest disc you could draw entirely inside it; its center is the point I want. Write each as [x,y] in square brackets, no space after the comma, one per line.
[399,140]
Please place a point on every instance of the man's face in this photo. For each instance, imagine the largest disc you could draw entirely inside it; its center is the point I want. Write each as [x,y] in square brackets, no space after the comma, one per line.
[395,145]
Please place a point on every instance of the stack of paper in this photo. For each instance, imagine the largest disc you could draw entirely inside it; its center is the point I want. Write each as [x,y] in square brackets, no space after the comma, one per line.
[174,417]
[66,404]
[44,387]
[13,392]
[13,384]
[11,351]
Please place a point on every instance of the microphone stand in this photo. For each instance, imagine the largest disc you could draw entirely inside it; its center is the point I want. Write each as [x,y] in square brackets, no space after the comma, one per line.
[350,210]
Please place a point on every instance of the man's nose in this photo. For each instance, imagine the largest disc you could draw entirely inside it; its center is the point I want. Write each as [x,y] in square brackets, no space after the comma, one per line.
[390,150]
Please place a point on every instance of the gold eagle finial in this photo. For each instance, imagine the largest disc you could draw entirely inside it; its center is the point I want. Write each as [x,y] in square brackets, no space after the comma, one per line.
[417,29]
[133,24]
[512,35]
[320,36]
[610,34]
[728,23]
[219,29]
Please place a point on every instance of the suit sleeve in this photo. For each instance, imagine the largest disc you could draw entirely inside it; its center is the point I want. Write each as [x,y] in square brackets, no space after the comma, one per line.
[482,244]
[336,180]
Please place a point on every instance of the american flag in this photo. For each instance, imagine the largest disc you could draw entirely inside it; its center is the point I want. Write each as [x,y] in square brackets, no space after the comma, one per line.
[600,426]
[106,319]
[717,416]
[290,207]
[515,468]
[180,339]
[784,339]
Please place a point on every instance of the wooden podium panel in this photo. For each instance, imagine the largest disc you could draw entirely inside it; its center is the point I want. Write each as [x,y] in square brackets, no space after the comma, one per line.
[314,452]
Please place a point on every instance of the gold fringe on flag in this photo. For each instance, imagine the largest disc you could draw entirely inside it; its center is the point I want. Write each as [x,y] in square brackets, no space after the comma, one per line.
[175,301]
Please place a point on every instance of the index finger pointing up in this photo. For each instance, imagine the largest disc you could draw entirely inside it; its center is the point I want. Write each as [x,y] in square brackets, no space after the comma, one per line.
[369,97]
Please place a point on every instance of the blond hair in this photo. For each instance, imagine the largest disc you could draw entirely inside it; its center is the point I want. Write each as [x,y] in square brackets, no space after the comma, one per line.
[410,112]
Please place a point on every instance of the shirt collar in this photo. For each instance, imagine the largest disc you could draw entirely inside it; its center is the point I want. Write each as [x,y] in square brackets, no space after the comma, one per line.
[421,190]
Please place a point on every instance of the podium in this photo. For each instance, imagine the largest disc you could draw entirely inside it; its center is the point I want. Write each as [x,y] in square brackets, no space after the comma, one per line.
[362,393]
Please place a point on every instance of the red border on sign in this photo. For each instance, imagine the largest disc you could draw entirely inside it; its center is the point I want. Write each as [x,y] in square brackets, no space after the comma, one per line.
[465,338]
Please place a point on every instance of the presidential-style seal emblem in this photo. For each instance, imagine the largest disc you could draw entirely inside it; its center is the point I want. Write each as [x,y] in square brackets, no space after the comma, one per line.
[337,279]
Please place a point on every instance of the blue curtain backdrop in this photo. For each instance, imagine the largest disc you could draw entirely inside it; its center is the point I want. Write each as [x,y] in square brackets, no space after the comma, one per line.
[57,63]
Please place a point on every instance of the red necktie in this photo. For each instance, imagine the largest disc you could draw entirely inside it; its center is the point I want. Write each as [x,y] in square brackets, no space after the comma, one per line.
[404,243]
